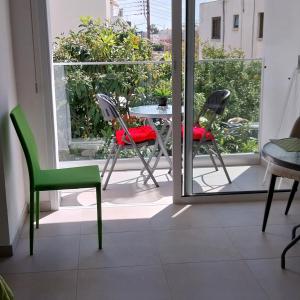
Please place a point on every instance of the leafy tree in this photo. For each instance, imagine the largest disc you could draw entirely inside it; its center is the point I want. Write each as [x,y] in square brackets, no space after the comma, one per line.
[127,84]
[243,79]
[135,84]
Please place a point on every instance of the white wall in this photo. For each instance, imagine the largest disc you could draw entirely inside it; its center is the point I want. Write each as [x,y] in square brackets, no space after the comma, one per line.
[65,14]
[282,47]
[12,195]
[31,69]
[245,37]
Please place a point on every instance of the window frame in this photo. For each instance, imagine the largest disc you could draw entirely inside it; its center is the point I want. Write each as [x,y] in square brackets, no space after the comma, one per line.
[260,25]
[236,21]
[216,28]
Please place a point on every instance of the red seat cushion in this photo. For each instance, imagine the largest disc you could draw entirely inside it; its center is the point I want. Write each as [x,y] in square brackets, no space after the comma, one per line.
[198,133]
[139,134]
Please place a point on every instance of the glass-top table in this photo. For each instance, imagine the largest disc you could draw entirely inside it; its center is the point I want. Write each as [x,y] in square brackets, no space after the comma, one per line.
[151,112]
[281,157]
[290,161]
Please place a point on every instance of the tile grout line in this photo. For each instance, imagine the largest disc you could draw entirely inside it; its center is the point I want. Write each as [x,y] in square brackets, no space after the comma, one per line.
[162,267]
[256,280]
[78,260]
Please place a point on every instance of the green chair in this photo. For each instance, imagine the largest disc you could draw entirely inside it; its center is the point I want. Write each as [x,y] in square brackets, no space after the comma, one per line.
[53,179]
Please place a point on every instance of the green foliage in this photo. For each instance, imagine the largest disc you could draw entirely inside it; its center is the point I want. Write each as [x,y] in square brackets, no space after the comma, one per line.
[243,79]
[136,84]
[127,84]
[163,89]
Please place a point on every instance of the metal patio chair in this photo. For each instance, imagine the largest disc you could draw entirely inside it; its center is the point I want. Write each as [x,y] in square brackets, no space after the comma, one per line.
[202,136]
[125,138]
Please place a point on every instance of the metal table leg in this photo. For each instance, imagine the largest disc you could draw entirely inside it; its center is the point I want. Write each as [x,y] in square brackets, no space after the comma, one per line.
[154,148]
[269,201]
[160,153]
[160,142]
[289,246]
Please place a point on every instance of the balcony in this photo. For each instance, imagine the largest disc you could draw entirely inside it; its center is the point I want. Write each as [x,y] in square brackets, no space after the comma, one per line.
[84,138]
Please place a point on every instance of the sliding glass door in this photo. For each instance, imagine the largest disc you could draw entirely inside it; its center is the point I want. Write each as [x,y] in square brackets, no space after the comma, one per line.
[222,63]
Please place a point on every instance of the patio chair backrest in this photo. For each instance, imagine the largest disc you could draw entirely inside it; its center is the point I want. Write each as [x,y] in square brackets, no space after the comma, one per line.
[27,141]
[108,109]
[215,104]
[110,113]
[217,101]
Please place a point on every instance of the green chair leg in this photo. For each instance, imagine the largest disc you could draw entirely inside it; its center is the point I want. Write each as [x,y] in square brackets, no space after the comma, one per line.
[99,215]
[31,220]
[37,209]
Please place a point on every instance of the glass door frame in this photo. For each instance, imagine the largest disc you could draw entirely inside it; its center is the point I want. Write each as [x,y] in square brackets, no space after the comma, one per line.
[182,147]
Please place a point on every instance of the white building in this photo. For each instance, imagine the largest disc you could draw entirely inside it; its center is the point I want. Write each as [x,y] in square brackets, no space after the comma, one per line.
[65,14]
[233,24]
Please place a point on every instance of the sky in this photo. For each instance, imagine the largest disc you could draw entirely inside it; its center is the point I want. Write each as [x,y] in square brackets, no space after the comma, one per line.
[160,12]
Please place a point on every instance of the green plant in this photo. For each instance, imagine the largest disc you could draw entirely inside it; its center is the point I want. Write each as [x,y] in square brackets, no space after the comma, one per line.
[128,85]
[139,84]
[163,89]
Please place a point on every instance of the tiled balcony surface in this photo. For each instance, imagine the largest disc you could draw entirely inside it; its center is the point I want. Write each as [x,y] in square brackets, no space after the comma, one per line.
[126,187]
[157,250]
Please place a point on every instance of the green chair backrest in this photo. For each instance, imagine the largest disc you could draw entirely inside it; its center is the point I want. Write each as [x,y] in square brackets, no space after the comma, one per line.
[27,140]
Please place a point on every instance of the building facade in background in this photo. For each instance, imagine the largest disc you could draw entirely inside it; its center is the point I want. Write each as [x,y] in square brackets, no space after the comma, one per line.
[233,24]
[65,14]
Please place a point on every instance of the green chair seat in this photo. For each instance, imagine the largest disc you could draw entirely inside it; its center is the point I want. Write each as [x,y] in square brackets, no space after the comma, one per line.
[53,179]
[69,178]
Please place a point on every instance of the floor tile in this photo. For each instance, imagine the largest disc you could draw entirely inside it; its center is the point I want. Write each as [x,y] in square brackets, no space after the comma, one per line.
[50,254]
[250,214]
[147,283]
[47,286]
[57,223]
[279,284]
[184,217]
[119,249]
[125,187]
[120,219]
[194,245]
[253,243]
[213,280]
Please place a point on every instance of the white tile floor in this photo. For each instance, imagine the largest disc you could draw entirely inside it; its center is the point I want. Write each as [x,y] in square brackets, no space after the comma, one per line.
[127,187]
[157,250]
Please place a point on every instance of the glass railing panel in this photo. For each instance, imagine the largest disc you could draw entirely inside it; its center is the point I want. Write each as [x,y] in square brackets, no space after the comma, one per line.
[82,132]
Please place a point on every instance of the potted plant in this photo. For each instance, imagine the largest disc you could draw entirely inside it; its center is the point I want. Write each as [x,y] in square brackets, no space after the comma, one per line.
[162,92]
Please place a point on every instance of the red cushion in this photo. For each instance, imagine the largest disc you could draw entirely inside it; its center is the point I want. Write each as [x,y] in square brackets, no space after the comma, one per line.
[139,134]
[198,133]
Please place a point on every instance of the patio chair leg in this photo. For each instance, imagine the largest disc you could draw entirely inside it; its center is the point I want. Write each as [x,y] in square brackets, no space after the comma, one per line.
[291,198]
[154,165]
[112,167]
[154,149]
[108,159]
[212,158]
[221,160]
[146,166]
[159,155]
[150,157]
